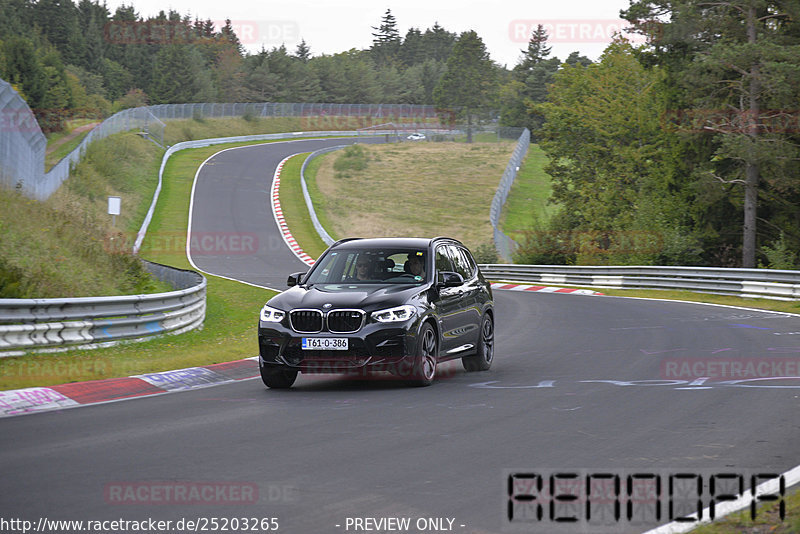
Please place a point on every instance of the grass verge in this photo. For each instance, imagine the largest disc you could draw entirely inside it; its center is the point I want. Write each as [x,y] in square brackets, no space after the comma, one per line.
[66,246]
[295,210]
[229,332]
[767,521]
[527,206]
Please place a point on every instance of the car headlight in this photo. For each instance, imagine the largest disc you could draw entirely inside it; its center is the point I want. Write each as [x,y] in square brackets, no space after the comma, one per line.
[272,315]
[395,315]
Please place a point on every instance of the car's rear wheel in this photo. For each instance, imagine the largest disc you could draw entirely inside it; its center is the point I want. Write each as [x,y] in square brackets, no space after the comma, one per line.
[277,377]
[425,363]
[482,360]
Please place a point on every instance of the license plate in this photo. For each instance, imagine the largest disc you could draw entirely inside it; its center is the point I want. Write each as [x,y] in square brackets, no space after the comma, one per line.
[325,343]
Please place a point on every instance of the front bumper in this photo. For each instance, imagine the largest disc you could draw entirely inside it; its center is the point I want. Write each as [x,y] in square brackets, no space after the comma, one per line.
[375,347]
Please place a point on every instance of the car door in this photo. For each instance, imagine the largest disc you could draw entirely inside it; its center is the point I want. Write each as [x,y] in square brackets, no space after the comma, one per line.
[470,293]
[447,301]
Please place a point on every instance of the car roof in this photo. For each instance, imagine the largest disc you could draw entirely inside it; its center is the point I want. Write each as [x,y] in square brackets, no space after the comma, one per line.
[388,242]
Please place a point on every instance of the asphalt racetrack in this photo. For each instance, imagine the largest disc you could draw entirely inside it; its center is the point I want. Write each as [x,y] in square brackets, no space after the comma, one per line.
[579,384]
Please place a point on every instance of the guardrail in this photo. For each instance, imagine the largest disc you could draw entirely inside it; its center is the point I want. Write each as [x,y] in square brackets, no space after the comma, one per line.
[32,324]
[764,283]
[323,234]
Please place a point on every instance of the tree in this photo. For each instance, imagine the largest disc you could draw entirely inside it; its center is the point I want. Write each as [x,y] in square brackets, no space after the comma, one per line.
[412,51]
[303,52]
[438,43]
[22,69]
[332,79]
[230,36]
[419,82]
[737,63]
[531,77]
[536,52]
[470,80]
[575,57]
[59,23]
[173,76]
[386,41]
[603,136]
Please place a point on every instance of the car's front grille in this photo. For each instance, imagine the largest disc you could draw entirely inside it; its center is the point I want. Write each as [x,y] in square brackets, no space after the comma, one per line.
[306,321]
[345,321]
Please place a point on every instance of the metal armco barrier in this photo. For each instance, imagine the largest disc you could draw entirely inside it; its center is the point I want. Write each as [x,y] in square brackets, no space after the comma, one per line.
[323,234]
[32,324]
[764,283]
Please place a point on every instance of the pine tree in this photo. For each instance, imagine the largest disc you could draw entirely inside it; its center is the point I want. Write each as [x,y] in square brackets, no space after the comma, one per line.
[229,35]
[438,43]
[303,52]
[412,50]
[386,41]
[173,77]
[536,52]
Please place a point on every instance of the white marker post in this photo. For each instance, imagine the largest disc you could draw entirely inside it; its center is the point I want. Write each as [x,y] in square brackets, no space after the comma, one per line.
[114,204]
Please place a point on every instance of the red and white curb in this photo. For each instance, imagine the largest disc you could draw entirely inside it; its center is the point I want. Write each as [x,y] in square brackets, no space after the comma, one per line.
[281,221]
[42,399]
[543,289]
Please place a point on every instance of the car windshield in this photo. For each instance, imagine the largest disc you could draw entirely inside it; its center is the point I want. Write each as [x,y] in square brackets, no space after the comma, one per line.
[371,266]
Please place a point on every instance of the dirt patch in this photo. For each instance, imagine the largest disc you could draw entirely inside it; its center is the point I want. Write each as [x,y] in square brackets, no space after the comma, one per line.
[69,137]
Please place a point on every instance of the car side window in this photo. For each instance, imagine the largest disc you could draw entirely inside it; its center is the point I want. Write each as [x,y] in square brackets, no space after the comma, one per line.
[469,262]
[459,263]
[443,262]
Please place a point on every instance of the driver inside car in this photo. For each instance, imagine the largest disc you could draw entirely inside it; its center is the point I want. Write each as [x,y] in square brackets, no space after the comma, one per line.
[415,265]
[363,270]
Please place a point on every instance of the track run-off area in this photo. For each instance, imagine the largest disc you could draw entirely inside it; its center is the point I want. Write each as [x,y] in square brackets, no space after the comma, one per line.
[580,384]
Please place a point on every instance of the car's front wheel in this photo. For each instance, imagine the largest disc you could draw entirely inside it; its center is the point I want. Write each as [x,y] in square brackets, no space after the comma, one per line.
[425,362]
[482,359]
[276,377]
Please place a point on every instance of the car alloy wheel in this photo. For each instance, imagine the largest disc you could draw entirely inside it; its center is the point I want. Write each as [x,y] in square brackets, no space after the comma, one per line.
[425,363]
[482,360]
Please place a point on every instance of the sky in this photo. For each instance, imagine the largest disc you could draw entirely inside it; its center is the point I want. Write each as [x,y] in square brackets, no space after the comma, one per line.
[330,27]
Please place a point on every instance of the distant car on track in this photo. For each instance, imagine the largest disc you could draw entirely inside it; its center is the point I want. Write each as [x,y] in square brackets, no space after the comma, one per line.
[416,136]
[400,305]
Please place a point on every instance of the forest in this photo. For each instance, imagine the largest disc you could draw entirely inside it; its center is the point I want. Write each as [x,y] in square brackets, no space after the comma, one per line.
[683,150]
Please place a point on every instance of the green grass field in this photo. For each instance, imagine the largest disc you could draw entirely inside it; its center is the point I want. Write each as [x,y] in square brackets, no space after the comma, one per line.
[527,206]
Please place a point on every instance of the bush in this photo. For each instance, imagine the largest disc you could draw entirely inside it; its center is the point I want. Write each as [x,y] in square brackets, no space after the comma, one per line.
[486,253]
[779,255]
[352,158]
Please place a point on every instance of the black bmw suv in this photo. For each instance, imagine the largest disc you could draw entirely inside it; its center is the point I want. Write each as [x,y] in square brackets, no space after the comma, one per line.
[400,305]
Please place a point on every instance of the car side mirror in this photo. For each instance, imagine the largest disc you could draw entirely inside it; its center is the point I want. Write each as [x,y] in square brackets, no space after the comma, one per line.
[294,279]
[449,279]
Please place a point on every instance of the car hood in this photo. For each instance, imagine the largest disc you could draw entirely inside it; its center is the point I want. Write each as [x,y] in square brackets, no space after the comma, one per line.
[367,297]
